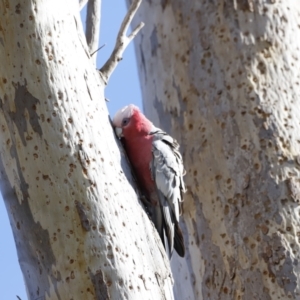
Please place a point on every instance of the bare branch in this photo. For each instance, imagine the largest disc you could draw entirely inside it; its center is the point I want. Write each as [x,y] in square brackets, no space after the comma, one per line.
[82,3]
[93,26]
[135,31]
[91,54]
[122,41]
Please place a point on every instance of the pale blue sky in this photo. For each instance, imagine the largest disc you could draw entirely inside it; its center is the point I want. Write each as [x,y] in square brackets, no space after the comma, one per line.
[122,89]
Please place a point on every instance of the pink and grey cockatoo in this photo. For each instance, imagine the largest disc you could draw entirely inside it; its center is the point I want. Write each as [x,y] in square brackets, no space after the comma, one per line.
[157,164]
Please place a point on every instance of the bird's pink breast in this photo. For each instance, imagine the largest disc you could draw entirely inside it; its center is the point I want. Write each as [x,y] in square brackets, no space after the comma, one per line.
[139,151]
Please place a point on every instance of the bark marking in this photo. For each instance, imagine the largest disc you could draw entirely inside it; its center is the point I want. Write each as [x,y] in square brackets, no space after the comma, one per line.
[154,42]
[164,3]
[38,254]
[85,222]
[100,285]
[83,159]
[294,187]
[280,264]
[24,100]
[244,5]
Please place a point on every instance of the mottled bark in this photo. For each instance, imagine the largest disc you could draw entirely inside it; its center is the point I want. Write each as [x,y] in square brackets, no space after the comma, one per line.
[79,229]
[223,78]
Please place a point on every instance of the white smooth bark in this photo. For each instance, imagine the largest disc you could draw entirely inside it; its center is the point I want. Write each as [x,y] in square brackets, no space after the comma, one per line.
[223,78]
[79,229]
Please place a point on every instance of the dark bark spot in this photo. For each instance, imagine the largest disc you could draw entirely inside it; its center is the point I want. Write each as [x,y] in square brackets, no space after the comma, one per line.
[18,9]
[294,188]
[164,3]
[245,5]
[264,229]
[45,177]
[85,223]
[100,285]
[83,159]
[60,95]
[154,42]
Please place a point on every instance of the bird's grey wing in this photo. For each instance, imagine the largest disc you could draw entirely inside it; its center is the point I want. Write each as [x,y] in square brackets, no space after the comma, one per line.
[167,172]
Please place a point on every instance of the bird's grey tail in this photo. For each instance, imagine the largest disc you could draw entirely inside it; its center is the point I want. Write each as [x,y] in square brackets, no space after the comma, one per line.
[178,241]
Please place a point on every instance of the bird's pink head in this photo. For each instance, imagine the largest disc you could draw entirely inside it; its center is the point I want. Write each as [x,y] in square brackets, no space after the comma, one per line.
[131,122]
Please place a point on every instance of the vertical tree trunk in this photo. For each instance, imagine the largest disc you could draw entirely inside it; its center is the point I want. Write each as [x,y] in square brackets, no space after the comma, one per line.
[79,230]
[93,27]
[223,78]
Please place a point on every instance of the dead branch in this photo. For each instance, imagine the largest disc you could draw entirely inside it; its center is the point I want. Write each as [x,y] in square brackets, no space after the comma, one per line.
[122,41]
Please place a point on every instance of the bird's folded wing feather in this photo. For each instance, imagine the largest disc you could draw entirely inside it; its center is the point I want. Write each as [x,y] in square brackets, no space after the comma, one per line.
[167,172]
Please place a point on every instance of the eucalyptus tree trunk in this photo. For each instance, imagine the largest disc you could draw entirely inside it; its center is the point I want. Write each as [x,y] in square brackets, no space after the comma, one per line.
[223,78]
[79,228]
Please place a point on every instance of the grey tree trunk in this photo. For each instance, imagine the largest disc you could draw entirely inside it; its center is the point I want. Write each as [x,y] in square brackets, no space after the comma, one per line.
[79,228]
[223,78]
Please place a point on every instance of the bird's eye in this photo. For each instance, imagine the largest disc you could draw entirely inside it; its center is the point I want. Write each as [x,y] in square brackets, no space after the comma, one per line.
[125,121]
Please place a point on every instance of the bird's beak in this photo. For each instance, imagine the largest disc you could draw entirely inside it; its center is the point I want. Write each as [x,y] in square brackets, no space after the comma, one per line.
[119,132]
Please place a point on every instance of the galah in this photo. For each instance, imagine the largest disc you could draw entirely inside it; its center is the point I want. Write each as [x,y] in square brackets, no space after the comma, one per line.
[158,166]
